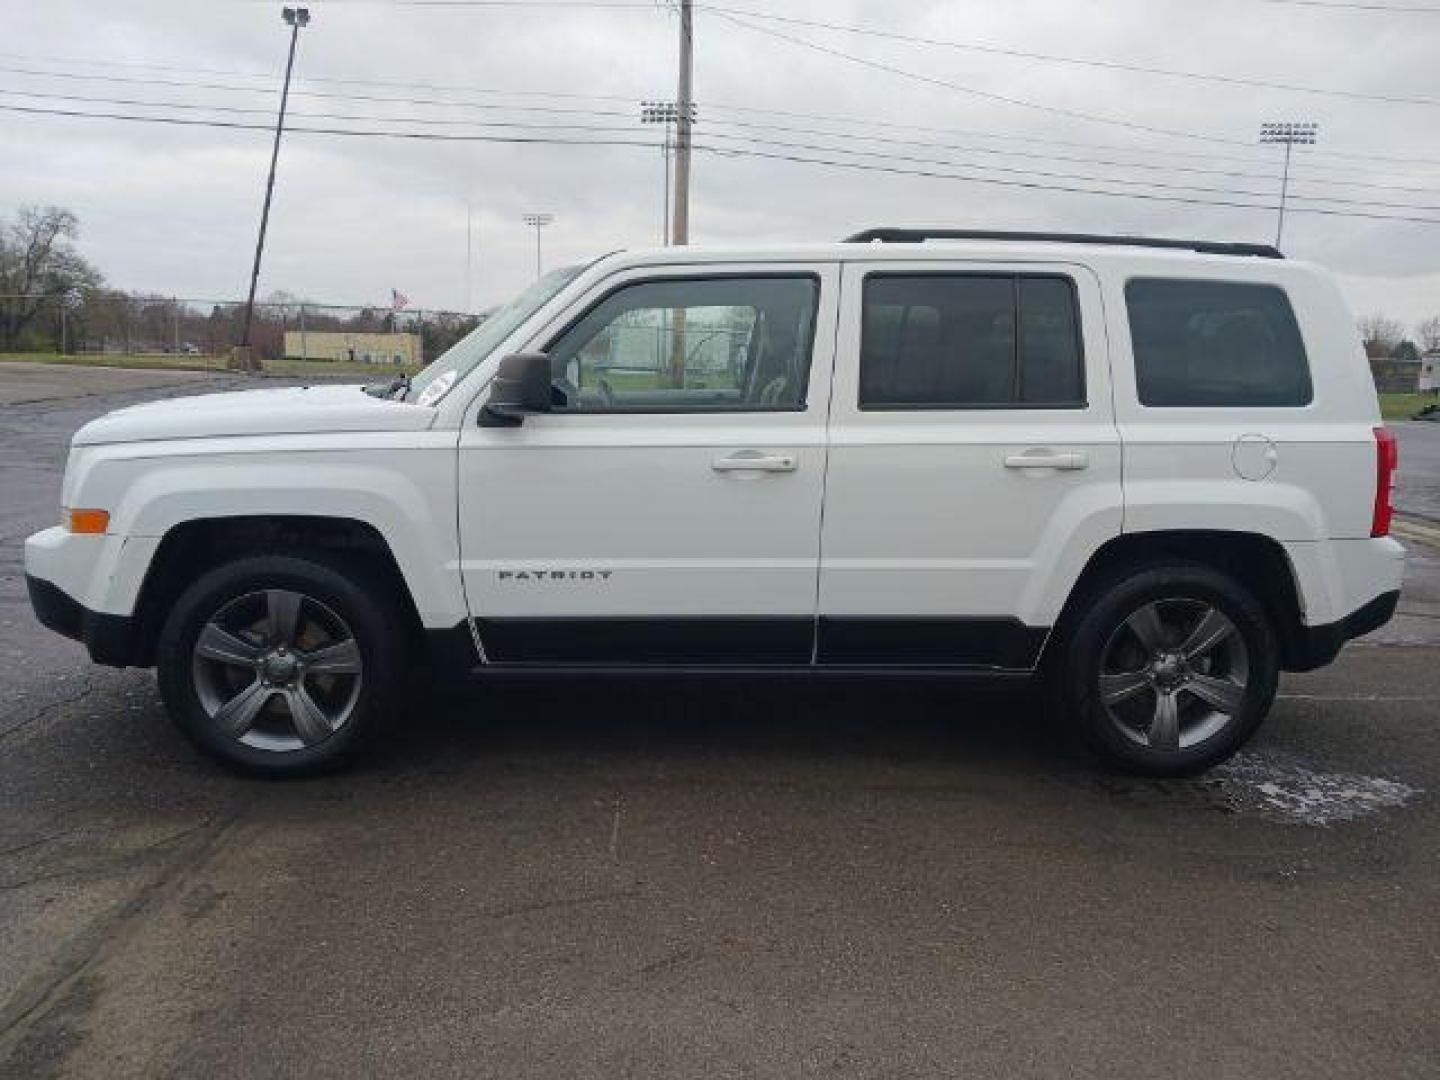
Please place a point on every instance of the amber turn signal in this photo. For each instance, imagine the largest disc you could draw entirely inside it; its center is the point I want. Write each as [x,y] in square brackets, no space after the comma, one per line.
[87,521]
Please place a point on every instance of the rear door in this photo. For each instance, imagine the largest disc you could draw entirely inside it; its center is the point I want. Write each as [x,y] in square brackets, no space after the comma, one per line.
[974,461]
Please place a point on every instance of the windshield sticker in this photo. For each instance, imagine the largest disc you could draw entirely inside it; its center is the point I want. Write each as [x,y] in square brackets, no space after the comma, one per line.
[436,390]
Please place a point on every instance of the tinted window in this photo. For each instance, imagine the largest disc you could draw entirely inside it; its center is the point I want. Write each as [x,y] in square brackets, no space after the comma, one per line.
[1209,343]
[699,344]
[946,341]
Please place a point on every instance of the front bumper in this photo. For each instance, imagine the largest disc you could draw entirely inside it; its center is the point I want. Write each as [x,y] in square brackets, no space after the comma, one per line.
[110,639]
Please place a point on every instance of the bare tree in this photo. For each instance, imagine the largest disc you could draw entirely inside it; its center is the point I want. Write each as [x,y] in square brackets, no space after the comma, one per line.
[1429,333]
[39,267]
[1380,333]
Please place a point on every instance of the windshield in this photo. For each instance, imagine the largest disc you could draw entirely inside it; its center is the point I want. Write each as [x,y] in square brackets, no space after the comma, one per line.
[460,359]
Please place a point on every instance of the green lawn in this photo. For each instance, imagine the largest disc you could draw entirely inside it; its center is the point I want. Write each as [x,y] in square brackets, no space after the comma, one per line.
[1403,406]
[167,361]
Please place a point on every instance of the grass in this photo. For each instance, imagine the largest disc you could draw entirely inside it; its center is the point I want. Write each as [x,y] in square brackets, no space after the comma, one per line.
[1404,406]
[171,362]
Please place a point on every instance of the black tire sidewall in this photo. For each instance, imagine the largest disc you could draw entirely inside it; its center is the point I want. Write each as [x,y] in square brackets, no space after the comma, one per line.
[1115,601]
[341,586]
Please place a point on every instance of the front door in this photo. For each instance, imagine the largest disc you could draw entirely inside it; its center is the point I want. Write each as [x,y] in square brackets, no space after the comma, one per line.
[668,511]
[974,461]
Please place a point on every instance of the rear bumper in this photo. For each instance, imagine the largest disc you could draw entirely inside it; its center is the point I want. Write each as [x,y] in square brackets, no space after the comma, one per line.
[1316,646]
[110,639]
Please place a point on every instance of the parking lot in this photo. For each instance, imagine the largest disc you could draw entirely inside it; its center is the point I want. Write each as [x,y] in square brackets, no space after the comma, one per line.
[779,877]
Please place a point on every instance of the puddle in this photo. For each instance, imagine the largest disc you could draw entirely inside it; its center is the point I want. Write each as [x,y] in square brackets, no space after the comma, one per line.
[1283,789]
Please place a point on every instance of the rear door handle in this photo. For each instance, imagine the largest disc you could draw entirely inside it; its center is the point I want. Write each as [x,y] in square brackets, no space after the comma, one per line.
[1043,459]
[756,461]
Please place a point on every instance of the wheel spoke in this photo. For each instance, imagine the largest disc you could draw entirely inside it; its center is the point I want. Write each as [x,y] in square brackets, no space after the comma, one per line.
[225,647]
[1210,630]
[1165,724]
[1221,693]
[342,658]
[311,723]
[236,716]
[1115,688]
[282,615]
[1146,626]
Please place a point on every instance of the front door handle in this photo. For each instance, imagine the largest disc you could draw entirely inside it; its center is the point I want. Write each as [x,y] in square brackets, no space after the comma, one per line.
[756,461]
[1044,459]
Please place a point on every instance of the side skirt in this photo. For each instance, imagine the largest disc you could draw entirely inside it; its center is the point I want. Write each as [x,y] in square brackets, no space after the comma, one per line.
[980,650]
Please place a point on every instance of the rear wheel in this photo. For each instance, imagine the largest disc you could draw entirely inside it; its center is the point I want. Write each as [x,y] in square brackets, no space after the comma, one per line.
[282,665]
[1170,670]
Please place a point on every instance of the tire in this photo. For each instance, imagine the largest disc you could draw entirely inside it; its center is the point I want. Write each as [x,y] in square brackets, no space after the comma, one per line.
[273,686]
[1169,669]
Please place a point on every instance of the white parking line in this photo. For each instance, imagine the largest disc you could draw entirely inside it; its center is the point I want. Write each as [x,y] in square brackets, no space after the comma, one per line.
[1408,529]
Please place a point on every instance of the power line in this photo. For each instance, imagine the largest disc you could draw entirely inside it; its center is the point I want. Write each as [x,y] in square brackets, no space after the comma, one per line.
[1075,114]
[1074,190]
[721,151]
[1358,7]
[181,84]
[711,107]
[1053,58]
[746,139]
[744,127]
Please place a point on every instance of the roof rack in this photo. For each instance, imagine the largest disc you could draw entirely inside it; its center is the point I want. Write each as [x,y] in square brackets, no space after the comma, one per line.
[916,236]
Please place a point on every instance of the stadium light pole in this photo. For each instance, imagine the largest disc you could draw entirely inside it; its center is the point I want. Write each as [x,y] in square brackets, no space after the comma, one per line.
[537,222]
[1290,134]
[295,18]
[662,112]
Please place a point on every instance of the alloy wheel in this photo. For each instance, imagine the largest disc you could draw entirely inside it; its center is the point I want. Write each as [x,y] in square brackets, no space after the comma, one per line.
[276,669]
[1174,674]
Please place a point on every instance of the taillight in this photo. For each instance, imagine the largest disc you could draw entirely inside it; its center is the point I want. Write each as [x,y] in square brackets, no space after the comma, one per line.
[1387,456]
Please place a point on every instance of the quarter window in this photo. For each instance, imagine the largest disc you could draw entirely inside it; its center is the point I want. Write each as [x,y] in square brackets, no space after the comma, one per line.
[957,341]
[691,345]
[1215,344]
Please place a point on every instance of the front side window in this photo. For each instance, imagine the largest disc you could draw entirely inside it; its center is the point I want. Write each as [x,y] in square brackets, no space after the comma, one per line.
[690,345]
[968,341]
[1215,344]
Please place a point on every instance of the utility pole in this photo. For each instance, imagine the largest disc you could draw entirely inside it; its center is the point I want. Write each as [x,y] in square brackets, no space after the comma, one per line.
[469,294]
[684,117]
[1290,134]
[295,18]
[537,222]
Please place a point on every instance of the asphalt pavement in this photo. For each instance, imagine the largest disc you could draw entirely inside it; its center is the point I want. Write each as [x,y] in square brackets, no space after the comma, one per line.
[714,878]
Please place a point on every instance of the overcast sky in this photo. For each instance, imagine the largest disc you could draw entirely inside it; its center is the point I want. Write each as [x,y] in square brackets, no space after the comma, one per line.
[174,209]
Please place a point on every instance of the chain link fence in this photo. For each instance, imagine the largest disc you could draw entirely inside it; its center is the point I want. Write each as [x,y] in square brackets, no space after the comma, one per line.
[202,333]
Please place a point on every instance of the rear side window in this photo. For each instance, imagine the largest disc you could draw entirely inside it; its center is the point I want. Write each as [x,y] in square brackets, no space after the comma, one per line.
[1216,344]
[970,341]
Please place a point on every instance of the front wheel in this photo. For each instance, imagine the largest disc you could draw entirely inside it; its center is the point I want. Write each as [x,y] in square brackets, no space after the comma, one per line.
[282,665]
[1170,670]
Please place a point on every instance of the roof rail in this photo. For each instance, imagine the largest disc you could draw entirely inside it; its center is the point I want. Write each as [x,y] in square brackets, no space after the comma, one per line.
[1208,247]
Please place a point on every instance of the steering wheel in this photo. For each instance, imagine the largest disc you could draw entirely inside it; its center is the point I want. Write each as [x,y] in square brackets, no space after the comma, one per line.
[607,394]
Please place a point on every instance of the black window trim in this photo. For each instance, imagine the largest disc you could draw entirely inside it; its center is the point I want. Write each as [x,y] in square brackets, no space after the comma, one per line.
[803,405]
[1077,404]
[1308,403]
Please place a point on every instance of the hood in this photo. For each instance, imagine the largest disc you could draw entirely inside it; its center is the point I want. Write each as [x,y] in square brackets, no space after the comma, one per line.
[299,410]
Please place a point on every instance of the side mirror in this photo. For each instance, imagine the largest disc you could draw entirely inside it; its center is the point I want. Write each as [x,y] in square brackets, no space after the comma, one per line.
[521,386]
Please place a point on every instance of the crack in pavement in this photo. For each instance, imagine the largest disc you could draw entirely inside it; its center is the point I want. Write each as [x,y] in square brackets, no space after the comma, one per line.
[71,961]
[48,707]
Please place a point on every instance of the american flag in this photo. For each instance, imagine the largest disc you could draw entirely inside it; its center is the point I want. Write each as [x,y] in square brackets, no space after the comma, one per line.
[398,300]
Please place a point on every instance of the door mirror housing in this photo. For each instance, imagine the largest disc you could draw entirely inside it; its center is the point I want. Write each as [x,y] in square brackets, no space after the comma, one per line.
[521,386]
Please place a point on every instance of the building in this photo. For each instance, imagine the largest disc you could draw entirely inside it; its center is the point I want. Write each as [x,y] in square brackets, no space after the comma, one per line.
[1396,376]
[358,347]
[1429,380]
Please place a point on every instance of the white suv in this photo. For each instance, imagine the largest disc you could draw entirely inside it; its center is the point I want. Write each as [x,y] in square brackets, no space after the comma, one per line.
[1150,471]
